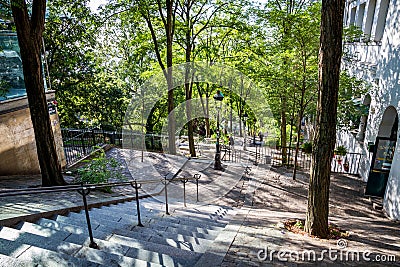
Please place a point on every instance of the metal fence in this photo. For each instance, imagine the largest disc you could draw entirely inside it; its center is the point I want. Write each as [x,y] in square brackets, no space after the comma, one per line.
[285,156]
[350,163]
[79,143]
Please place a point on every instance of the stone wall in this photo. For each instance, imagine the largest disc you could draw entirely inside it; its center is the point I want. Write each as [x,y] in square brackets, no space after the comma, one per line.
[17,140]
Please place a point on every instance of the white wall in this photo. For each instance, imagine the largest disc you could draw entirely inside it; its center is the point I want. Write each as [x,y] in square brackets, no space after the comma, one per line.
[379,64]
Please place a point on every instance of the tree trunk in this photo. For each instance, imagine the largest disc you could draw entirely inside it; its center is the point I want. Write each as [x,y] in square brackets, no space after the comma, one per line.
[171,105]
[301,113]
[208,112]
[189,90]
[283,129]
[324,140]
[188,79]
[29,31]
[296,153]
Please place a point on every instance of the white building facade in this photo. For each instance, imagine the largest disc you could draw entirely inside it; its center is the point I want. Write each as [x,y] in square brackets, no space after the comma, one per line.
[375,57]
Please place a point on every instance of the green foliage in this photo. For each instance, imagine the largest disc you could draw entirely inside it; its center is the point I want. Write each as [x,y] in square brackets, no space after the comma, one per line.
[4,88]
[89,89]
[100,169]
[299,224]
[349,111]
[341,150]
[307,147]
[290,77]
[352,34]
[5,10]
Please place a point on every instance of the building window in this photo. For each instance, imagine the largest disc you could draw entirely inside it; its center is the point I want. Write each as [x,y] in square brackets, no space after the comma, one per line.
[370,17]
[353,15]
[360,15]
[380,25]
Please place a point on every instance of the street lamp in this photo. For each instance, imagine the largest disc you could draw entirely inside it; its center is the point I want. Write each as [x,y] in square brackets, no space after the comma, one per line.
[245,116]
[217,164]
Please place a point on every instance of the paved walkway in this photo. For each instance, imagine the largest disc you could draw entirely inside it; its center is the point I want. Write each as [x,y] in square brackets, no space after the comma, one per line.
[280,198]
[260,220]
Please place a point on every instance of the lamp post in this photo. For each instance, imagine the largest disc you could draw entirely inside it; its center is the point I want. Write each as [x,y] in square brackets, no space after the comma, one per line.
[217,163]
[245,116]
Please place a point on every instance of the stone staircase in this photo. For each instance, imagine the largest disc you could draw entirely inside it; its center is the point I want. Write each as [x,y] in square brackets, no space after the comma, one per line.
[183,238]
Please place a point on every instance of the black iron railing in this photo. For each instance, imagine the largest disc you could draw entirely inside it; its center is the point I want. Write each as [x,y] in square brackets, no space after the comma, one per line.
[85,189]
[285,156]
[349,163]
[78,143]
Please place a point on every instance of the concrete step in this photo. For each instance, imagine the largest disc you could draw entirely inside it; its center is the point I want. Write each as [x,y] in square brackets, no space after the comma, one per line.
[140,248]
[190,222]
[168,239]
[110,259]
[173,230]
[80,229]
[203,215]
[98,215]
[42,240]
[211,212]
[179,239]
[55,244]
[173,224]
[146,234]
[155,205]
[128,210]
[6,261]
[171,256]
[34,256]
[78,239]
[80,220]
[85,253]
[117,215]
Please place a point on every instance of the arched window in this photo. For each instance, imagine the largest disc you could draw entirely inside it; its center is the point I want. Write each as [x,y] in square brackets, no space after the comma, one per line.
[389,124]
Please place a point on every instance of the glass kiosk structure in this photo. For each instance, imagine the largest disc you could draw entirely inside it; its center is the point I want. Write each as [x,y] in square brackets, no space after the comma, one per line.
[11,75]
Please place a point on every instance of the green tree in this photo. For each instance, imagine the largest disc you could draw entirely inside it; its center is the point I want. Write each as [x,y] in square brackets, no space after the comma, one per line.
[349,112]
[90,88]
[30,27]
[325,136]
[153,11]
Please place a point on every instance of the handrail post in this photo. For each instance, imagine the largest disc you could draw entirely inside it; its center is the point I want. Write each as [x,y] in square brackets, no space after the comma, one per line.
[137,203]
[83,144]
[166,195]
[197,177]
[184,181]
[85,191]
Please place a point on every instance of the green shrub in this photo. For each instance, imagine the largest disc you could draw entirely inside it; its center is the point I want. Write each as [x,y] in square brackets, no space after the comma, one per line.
[100,169]
[341,150]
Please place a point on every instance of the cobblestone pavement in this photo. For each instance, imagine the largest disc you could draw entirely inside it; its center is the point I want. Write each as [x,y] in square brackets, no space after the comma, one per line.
[279,197]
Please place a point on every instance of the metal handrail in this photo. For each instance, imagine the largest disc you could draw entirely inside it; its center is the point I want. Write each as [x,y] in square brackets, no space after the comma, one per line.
[85,189]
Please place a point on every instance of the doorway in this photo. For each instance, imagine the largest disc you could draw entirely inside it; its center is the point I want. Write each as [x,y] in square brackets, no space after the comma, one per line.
[383,153]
